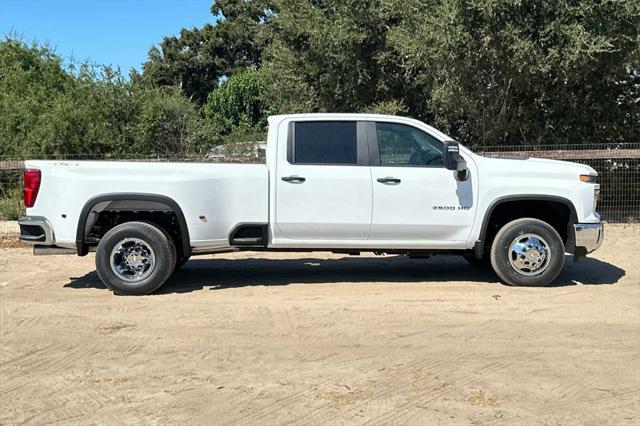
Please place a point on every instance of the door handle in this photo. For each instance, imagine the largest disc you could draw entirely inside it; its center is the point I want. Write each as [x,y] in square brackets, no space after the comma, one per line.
[293,179]
[389,180]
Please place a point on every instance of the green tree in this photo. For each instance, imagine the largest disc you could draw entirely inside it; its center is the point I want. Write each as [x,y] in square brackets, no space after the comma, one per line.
[237,103]
[486,72]
[330,56]
[48,109]
[522,72]
[166,122]
[199,57]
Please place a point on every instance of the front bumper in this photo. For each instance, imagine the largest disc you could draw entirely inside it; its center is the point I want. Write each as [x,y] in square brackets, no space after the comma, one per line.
[36,230]
[588,237]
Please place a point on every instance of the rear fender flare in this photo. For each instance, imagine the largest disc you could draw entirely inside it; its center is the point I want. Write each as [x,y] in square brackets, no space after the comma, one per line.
[81,232]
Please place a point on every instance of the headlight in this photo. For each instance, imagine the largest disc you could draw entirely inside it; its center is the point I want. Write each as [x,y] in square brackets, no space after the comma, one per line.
[596,196]
[589,178]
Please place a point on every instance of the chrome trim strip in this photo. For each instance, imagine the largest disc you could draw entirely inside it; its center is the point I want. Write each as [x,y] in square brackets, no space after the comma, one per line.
[39,250]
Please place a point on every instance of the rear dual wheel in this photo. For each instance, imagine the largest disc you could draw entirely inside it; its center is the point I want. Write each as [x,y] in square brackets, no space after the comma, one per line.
[135,258]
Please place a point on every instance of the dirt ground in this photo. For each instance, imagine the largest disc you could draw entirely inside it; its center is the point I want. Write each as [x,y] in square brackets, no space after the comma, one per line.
[262,339]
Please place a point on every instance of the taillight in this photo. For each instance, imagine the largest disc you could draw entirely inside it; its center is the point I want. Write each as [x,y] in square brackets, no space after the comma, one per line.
[31,186]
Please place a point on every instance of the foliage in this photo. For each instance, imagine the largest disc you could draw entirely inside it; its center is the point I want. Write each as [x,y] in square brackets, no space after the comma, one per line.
[165,122]
[49,110]
[197,59]
[11,205]
[486,72]
[522,72]
[329,56]
[237,105]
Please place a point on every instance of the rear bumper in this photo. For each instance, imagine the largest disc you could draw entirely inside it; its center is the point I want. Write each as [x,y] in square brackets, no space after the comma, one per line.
[36,230]
[588,237]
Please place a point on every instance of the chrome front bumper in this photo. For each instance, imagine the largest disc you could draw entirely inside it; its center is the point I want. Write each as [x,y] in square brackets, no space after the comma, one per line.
[588,237]
[36,230]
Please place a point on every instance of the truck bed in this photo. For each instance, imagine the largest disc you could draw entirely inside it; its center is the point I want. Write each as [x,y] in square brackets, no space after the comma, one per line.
[214,197]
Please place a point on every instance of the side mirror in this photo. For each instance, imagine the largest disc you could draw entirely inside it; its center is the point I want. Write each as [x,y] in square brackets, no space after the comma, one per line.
[454,161]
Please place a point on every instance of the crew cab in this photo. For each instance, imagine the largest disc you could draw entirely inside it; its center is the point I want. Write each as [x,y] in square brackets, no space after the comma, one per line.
[346,183]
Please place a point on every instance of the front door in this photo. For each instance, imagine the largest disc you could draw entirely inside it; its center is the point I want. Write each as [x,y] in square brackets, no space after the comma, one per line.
[415,199]
[323,189]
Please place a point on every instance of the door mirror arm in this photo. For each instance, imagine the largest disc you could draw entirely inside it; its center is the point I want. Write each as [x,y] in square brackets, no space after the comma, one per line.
[463,174]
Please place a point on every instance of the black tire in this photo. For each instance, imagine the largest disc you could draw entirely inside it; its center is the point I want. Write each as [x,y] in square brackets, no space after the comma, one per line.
[146,235]
[474,261]
[502,255]
[179,260]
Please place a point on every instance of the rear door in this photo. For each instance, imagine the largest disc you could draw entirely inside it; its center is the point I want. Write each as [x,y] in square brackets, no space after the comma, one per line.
[323,187]
[415,199]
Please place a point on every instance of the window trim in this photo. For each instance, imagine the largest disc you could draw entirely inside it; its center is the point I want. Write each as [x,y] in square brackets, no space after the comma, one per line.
[374,148]
[362,145]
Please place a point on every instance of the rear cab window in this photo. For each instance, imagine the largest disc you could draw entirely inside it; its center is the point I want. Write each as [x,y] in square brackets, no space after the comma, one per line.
[324,142]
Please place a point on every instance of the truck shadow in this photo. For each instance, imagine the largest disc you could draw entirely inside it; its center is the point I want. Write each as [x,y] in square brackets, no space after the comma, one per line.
[219,274]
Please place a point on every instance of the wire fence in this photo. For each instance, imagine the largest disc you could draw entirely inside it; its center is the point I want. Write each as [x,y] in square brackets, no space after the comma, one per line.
[618,166]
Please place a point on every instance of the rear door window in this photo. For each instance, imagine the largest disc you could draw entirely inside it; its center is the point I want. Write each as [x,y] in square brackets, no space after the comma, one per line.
[325,142]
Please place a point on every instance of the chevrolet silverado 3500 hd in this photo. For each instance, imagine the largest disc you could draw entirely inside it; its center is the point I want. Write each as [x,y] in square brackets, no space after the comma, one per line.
[335,182]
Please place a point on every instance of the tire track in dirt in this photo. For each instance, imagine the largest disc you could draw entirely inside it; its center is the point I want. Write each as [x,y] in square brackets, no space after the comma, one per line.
[399,413]
[607,405]
[385,390]
[260,415]
[574,392]
[30,322]
[69,403]
[63,399]
[388,385]
[28,369]
[438,367]
[615,399]
[131,344]
[278,405]
[25,357]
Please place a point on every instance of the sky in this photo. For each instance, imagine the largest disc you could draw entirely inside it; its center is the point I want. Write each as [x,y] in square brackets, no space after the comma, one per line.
[109,32]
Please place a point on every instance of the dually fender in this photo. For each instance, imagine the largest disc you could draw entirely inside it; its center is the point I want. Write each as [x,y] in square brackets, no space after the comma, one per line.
[81,232]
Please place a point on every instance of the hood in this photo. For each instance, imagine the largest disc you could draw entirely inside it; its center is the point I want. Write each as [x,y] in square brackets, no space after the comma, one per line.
[537,166]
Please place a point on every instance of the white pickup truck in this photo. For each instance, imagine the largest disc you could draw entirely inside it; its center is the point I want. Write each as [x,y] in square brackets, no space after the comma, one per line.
[346,183]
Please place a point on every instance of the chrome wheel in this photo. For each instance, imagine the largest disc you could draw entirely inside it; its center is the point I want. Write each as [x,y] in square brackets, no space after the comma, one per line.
[529,254]
[132,259]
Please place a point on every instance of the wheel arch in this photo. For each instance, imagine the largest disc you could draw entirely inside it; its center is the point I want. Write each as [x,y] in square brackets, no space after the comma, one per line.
[136,202]
[501,201]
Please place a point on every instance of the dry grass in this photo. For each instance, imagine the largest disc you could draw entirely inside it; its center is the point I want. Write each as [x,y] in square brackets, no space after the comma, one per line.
[343,397]
[478,397]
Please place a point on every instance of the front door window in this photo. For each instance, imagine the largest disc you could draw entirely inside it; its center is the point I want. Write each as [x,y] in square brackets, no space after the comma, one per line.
[402,145]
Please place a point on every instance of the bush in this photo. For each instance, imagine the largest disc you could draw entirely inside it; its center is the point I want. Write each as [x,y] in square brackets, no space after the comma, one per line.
[236,109]
[87,109]
[11,204]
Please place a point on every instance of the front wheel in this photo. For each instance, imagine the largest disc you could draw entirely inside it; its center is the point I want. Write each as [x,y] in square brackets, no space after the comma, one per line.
[527,252]
[135,258]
